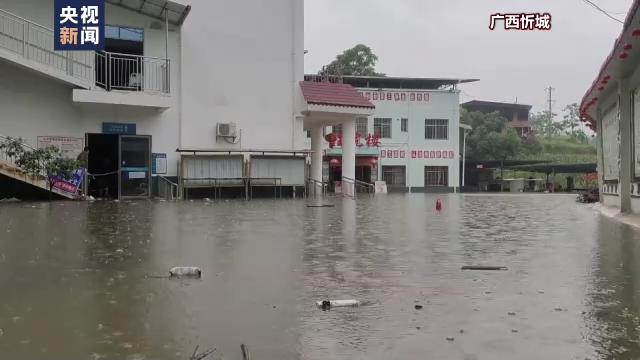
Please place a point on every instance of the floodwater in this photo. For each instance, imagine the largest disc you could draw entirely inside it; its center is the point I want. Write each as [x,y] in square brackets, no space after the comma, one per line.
[85,280]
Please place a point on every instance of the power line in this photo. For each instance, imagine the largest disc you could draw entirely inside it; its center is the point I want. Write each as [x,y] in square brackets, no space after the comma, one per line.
[607,13]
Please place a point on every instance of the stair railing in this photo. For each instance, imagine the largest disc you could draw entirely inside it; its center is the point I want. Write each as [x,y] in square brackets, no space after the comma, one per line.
[167,188]
[36,42]
[312,186]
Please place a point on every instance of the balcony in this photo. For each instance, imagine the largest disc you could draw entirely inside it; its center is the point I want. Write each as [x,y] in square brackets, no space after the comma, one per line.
[123,79]
[97,77]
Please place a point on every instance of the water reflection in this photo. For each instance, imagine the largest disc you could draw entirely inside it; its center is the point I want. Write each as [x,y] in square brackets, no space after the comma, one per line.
[87,279]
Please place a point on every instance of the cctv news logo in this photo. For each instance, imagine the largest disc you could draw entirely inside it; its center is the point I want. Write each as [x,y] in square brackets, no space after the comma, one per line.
[529,21]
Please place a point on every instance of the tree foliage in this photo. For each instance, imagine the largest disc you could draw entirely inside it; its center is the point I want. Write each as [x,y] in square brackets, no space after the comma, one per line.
[358,60]
[490,139]
[545,124]
[44,162]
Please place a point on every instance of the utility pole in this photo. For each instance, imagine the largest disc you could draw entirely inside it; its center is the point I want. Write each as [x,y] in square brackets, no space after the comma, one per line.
[549,90]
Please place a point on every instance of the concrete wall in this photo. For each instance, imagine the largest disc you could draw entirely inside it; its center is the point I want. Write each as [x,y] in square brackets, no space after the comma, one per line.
[440,105]
[242,62]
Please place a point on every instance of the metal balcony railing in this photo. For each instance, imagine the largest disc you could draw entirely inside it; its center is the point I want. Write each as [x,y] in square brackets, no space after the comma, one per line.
[104,69]
[132,72]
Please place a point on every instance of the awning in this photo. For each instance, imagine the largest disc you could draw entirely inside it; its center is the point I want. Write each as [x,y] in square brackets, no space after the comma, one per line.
[157,9]
[556,168]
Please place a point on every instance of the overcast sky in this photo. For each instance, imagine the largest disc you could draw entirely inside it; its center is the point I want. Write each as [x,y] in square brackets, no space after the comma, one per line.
[451,38]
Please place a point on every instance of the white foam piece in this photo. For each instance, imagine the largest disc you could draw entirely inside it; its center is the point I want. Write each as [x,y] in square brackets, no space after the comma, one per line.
[185,271]
[340,303]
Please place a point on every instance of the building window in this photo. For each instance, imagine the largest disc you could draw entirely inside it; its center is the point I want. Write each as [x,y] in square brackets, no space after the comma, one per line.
[394,175]
[382,126]
[436,176]
[362,126]
[308,134]
[404,125]
[436,129]
[336,129]
[123,33]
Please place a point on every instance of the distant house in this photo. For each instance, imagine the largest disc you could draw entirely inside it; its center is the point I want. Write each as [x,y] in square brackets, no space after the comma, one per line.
[517,115]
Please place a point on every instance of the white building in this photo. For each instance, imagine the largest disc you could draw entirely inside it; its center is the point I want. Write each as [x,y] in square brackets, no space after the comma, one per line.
[417,121]
[172,73]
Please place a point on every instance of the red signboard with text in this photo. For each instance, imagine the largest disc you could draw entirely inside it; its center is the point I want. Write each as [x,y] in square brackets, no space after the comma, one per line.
[417,154]
[395,96]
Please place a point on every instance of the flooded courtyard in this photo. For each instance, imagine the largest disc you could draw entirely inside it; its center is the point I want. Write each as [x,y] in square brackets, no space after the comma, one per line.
[87,280]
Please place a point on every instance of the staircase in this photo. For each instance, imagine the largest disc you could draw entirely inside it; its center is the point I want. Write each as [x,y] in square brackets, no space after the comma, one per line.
[10,169]
[29,45]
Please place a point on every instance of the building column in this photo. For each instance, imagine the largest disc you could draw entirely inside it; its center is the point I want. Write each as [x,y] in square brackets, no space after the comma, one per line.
[316,160]
[349,154]
[599,154]
[626,157]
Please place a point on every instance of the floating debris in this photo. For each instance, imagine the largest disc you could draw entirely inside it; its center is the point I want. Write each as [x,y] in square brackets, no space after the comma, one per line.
[511,313]
[418,307]
[450,339]
[482,267]
[328,304]
[185,271]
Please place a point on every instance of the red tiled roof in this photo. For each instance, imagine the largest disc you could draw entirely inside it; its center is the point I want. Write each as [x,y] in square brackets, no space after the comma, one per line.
[333,94]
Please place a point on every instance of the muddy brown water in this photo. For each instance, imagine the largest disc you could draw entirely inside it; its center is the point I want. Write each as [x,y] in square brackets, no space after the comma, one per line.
[79,280]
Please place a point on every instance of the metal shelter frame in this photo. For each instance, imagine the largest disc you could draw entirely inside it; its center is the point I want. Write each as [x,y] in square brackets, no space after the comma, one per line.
[245,181]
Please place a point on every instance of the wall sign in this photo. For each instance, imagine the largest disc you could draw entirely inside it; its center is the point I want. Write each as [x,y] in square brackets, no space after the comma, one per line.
[159,163]
[418,154]
[393,154]
[395,96]
[70,146]
[432,154]
[118,128]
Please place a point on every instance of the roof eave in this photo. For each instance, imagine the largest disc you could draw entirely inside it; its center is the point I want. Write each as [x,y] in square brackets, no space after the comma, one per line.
[586,109]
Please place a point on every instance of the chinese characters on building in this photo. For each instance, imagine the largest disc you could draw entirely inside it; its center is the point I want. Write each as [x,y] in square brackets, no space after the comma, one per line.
[530,21]
[79,25]
[371,140]
[418,154]
[395,96]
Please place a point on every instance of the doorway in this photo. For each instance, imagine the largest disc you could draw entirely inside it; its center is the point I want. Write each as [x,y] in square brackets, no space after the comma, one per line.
[103,159]
[363,173]
[120,65]
[135,166]
[121,165]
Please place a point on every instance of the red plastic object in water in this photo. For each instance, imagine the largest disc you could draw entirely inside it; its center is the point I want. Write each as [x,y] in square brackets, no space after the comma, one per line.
[438,205]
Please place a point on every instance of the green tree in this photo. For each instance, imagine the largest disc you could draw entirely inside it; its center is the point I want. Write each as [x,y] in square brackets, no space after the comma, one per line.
[544,125]
[490,139]
[358,60]
[40,163]
[571,123]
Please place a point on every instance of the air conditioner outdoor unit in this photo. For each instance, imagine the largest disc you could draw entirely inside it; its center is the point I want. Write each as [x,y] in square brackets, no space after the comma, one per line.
[226,130]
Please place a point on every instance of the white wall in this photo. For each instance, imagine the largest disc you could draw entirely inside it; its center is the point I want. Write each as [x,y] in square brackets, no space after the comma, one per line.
[33,105]
[242,61]
[441,105]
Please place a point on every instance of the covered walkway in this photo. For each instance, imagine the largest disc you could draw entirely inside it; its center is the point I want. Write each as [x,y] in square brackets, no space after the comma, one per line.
[327,104]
